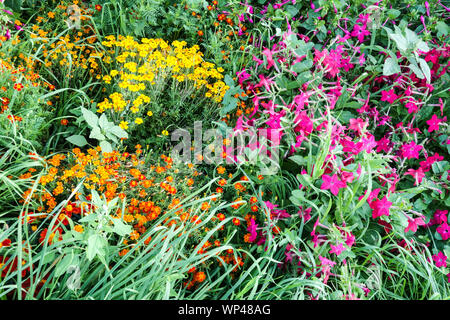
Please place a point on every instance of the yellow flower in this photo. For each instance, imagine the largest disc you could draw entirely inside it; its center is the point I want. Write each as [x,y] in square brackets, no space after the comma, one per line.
[149,113]
[138,121]
[124,125]
[165,133]
[78,228]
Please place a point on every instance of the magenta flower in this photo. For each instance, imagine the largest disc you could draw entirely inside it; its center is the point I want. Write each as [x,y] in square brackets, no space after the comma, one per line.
[350,239]
[440,259]
[360,32]
[358,125]
[269,56]
[326,262]
[434,123]
[411,150]
[332,183]
[383,145]
[412,106]
[380,207]
[417,174]
[389,96]
[337,249]
[414,223]
[444,231]
[252,229]
[440,216]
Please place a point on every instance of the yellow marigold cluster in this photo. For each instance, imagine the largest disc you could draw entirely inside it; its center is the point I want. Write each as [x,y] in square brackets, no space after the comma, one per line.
[145,66]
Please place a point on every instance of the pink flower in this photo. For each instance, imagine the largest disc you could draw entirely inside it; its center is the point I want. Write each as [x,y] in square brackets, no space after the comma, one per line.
[360,32]
[269,56]
[326,262]
[252,229]
[358,125]
[440,216]
[380,207]
[417,174]
[337,249]
[434,123]
[440,259]
[444,231]
[383,145]
[389,96]
[350,239]
[411,106]
[414,223]
[333,183]
[411,150]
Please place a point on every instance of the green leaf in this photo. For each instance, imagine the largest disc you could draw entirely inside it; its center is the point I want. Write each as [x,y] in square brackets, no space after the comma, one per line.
[393,13]
[425,69]
[103,122]
[69,259]
[416,70]
[390,67]
[96,134]
[121,228]
[77,140]
[118,132]
[106,146]
[89,117]
[400,41]
[95,246]
[442,29]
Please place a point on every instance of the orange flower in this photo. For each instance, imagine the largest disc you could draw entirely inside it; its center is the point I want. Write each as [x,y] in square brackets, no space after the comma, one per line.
[236,221]
[18,86]
[221,170]
[64,122]
[205,206]
[199,276]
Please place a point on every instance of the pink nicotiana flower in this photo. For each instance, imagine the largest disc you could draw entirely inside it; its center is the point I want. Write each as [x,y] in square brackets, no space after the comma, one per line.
[434,123]
[389,96]
[252,229]
[384,145]
[411,150]
[350,239]
[358,125]
[332,183]
[360,32]
[440,216]
[440,259]
[414,223]
[444,231]
[380,207]
[411,105]
[337,250]
[417,174]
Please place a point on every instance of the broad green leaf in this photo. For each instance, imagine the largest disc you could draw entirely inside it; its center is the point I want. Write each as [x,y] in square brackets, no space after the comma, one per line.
[77,140]
[121,228]
[390,67]
[96,134]
[442,29]
[95,246]
[106,146]
[416,70]
[89,117]
[425,69]
[400,41]
[103,122]
[118,132]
